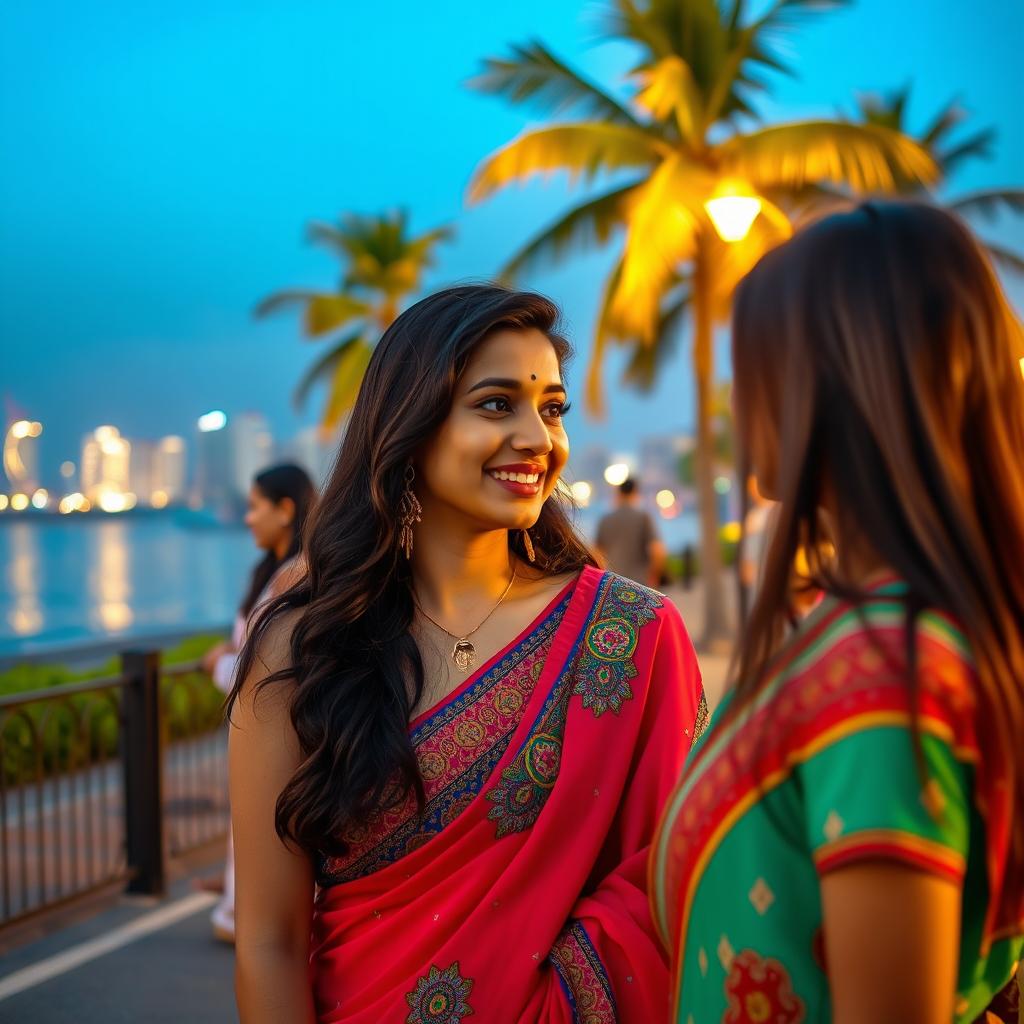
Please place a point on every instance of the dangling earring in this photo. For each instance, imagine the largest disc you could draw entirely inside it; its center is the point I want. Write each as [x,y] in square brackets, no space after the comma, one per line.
[410,511]
[528,544]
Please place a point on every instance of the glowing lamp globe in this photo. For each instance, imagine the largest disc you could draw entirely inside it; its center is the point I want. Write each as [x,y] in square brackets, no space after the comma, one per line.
[733,215]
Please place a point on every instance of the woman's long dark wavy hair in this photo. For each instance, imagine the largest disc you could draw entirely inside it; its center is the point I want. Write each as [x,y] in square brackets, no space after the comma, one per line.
[276,484]
[351,655]
[880,347]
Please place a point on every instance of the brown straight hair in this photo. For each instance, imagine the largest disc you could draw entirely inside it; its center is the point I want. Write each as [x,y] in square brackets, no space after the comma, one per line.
[879,350]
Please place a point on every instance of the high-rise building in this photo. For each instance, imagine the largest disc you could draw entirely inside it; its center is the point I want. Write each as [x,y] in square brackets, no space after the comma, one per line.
[212,485]
[312,452]
[21,455]
[252,449]
[105,469]
[168,473]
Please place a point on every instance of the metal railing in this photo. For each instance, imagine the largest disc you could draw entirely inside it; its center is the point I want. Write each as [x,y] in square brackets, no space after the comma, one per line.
[103,781]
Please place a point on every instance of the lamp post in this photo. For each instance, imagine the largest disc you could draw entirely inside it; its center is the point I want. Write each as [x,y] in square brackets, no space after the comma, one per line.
[732,211]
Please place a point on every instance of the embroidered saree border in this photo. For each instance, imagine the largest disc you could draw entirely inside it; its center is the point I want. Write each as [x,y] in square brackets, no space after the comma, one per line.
[456,771]
[739,762]
[598,668]
[583,977]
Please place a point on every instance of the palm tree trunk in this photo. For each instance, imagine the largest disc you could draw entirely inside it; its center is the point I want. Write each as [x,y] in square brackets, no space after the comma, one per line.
[716,624]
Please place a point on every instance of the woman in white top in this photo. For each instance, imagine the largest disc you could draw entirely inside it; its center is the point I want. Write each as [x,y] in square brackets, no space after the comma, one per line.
[279,502]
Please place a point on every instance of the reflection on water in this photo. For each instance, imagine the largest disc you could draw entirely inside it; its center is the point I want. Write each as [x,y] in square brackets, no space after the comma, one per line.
[25,616]
[109,585]
[73,580]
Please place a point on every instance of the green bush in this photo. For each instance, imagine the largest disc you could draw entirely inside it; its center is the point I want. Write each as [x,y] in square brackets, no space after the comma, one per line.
[49,737]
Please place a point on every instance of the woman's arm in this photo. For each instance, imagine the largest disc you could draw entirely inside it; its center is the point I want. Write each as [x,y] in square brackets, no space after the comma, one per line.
[274,883]
[892,937]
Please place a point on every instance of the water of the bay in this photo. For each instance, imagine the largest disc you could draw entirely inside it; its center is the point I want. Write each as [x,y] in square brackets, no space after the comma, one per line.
[70,581]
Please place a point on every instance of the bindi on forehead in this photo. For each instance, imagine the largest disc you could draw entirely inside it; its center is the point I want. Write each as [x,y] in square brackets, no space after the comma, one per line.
[533,376]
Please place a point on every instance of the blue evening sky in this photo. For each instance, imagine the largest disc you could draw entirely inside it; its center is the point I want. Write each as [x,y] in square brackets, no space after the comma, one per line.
[161,160]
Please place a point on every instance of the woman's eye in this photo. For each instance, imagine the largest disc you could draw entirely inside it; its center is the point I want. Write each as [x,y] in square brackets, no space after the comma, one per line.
[556,410]
[496,404]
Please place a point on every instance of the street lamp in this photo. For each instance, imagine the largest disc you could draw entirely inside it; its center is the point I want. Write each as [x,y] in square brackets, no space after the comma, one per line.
[617,473]
[732,211]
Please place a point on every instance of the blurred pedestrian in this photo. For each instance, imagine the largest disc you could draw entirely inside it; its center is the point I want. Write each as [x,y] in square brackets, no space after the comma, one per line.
[280,500]
[451,740]
[848,841]
[628,541]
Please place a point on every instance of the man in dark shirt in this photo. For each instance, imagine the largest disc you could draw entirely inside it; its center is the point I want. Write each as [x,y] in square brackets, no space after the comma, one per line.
[628,541]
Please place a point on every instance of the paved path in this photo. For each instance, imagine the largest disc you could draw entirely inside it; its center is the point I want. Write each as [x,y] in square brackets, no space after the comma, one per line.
[175,974]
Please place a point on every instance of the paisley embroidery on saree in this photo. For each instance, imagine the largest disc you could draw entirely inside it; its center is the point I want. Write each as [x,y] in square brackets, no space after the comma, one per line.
[441,997]
[457,749]
[599,671]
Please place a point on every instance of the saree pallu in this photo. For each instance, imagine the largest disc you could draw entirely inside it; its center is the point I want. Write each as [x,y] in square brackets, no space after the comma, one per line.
[820,771]
[519,894]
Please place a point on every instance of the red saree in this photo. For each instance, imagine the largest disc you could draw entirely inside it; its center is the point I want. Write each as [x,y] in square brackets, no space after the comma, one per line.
[520,895]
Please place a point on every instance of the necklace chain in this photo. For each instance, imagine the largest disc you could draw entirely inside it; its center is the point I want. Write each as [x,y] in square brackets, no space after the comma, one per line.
[464,653]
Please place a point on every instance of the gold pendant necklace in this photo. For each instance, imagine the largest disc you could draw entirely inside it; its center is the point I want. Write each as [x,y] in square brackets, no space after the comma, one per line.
[464,653]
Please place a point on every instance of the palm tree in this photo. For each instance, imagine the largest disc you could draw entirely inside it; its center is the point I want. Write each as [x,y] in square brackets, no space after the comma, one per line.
[382,265]
[686,132]
[890,111]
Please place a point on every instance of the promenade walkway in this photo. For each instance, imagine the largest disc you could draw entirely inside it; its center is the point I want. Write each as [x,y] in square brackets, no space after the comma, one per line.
[145,961]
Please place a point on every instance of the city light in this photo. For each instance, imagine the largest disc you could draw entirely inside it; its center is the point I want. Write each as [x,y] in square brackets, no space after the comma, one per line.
[732,211]
[19,502]
[3,502]
[215,420]
[74,502]
[67,470]
[106,433]
[581,492]
[617,473]
[731,533]
[40,498]
[112,501]
[173,443]
[158,499]
[665,499]
[723,485]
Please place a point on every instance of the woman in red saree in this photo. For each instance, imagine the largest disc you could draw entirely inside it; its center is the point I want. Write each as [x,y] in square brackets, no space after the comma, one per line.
[506,880]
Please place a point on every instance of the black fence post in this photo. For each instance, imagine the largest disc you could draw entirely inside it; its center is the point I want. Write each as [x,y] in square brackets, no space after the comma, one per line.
[142,752]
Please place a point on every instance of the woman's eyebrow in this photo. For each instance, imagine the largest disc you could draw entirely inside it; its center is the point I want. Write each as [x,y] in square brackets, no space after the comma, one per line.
[511,385]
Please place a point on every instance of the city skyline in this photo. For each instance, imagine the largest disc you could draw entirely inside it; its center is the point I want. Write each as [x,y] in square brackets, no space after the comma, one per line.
[137,235]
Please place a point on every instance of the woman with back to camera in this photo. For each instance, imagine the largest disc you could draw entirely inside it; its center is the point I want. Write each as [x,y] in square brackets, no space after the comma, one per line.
[847,842]
[279,502]
[456,727]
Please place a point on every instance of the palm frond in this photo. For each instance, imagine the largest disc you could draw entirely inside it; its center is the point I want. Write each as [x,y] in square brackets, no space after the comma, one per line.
[626,20]
[593,394]
[589,224]
[581,149]
[669,90]
[646,362]
[534,73]
[662,234]
[942,124]
[322,369]
[977,146]
[322,312]
[345,380]
[1005,258]
[867,158]
[990,203]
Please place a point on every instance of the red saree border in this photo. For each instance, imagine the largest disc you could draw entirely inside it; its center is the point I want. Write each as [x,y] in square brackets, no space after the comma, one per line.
[891,844]
[741,764]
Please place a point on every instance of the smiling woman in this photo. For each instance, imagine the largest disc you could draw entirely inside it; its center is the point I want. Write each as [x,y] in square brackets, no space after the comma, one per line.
[455,730]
